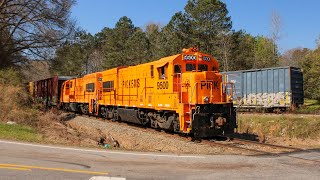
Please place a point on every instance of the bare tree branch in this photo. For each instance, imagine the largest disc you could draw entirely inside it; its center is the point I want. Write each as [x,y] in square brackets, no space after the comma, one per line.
[32,27]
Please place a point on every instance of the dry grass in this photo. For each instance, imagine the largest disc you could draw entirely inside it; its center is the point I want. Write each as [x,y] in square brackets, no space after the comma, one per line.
[14,102]
[52,125]
[16,105]
[289,126]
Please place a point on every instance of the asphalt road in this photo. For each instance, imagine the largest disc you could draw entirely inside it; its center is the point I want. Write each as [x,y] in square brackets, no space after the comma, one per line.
[32,161]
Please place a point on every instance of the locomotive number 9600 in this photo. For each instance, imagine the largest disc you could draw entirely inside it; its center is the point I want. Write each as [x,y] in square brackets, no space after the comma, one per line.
[163,85]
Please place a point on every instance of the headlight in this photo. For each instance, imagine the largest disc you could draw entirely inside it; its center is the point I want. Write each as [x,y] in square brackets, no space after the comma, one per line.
[206,58]
[206,99]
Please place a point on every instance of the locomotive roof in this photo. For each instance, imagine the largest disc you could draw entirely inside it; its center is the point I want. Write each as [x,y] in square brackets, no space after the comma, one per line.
[63,78]
[163,61]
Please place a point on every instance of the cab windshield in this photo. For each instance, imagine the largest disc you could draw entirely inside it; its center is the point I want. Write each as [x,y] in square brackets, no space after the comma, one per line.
[190,67]
[202,67]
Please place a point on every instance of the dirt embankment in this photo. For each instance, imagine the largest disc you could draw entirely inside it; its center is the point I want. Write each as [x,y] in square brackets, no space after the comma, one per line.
[76,130]
[70,129]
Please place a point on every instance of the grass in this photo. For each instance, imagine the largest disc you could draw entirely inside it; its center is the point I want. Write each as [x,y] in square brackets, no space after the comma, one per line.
[289,125]
[19,132]
[310,106]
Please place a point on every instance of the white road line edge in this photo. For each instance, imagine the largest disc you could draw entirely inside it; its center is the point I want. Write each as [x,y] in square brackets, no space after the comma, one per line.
[110,152]
[106,178]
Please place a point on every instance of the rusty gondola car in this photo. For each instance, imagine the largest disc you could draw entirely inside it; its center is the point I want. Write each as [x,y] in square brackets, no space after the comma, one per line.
[47,91]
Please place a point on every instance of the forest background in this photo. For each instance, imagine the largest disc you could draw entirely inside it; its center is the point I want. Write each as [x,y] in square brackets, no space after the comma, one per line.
[39,39]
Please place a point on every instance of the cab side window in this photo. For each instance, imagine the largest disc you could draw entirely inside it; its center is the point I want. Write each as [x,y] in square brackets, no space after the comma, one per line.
[90,87]
[67,85]
[177,69]
[108,86]
[163,72]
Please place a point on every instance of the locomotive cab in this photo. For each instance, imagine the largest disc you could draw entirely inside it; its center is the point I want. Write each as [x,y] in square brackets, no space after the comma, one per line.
[207,110]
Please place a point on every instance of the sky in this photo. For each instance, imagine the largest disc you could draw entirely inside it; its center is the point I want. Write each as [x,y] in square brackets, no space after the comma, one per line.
[300,23]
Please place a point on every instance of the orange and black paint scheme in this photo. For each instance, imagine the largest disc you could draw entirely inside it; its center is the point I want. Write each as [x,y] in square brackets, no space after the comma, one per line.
[183,93]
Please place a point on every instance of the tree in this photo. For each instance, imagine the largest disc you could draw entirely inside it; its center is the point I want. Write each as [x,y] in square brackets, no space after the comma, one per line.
[88,46]
[125,45]
[226,45]
[137,48]
[69,60]
[153,34]
[242,51]
[276,27]
[264,53]
[208,19]
[204,24]
[176,35]
[32,28]
[73,57]
[114,47]
[318,42]
[294,57]
[95,61]
[311,74]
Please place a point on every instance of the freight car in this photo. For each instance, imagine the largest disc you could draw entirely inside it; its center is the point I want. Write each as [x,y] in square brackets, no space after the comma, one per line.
[47,91]
[182,93]
[268,89]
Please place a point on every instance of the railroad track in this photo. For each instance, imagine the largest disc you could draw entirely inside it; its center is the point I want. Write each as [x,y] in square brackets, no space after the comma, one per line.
[243,141]
[258,148]
[277,114]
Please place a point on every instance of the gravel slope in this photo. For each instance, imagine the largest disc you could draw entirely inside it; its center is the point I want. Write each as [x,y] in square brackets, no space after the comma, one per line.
[138,138]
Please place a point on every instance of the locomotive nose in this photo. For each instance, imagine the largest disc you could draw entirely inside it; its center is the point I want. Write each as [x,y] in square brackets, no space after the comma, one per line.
[209,87]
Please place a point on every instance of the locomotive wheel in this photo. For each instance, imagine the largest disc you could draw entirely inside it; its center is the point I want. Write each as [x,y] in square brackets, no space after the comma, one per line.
[176,125]
[103,112]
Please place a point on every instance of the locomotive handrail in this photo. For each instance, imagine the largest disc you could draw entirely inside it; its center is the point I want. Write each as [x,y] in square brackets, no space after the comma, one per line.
[192,91]
[180,77]
[224,86]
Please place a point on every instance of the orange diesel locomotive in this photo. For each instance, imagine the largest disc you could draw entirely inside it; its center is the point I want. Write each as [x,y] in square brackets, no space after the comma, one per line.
[183,93]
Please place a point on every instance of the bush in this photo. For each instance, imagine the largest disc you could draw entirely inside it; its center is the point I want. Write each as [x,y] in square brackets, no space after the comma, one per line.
[14,100]
[10,77]
[310,107]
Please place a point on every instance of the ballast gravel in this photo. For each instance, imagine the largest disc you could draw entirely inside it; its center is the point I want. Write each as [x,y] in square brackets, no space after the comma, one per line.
[135,138]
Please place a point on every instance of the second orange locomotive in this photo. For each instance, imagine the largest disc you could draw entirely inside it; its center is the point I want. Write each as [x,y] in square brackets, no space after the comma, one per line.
[183,93]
